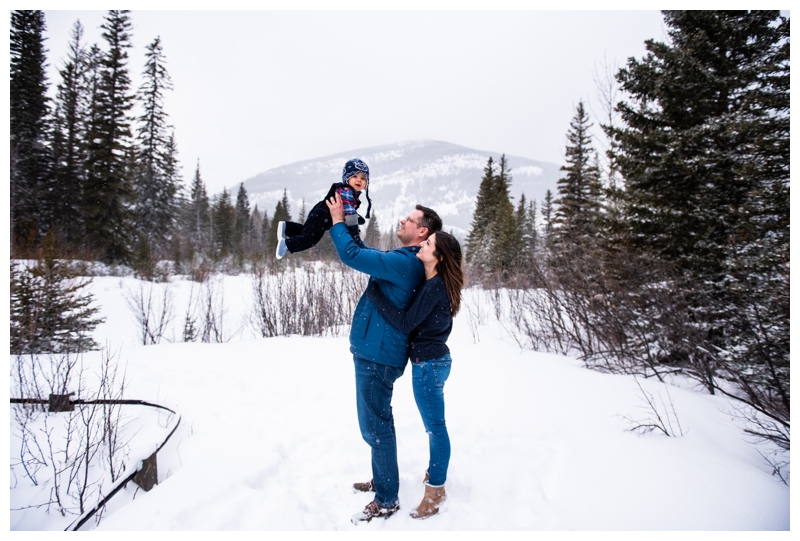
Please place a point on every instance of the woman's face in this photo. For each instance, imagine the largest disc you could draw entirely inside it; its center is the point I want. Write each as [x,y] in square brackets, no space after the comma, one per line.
[426,249]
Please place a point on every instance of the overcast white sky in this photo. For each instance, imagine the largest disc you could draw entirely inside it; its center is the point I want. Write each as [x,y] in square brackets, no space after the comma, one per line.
[259,89]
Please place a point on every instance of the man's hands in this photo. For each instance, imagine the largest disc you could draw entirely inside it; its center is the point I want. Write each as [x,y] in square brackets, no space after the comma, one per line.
[336,208]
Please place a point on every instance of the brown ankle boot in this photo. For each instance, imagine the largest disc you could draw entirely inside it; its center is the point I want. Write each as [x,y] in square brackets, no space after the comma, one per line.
[429,506]
[373,510]
[368,486]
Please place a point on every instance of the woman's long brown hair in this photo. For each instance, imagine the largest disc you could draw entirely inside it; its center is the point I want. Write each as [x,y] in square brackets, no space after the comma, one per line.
[448,253]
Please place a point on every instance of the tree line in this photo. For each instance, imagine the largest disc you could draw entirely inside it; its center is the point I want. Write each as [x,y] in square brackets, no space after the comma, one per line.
[104,183]
[670,253]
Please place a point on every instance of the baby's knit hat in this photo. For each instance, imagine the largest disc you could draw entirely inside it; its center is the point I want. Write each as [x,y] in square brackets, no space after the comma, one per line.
[354,166]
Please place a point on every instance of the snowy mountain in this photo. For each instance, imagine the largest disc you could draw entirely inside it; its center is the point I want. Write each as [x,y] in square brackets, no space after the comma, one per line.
[436,174]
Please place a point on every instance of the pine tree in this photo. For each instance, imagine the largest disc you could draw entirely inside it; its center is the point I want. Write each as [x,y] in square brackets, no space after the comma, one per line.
[242,241]
[107,189]
[579,190]
[256,227]
[704,151]
[69,146]
[266,230]
[285,205]
[198,214]
[703,111]
[478,245]
[494,240]
[155,182]
[532,230]
[224,225]
[526,223]
[28,123]
[507,232]
[50,312]
[547,217]
[372,236]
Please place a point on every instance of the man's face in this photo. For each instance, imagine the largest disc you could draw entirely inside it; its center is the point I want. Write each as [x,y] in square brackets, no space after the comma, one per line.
[409,232]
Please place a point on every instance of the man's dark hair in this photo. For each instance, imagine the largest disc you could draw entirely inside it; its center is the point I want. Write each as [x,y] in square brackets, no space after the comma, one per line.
[430,220]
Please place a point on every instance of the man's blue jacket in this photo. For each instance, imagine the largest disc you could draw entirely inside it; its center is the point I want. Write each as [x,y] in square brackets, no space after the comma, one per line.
[400,275]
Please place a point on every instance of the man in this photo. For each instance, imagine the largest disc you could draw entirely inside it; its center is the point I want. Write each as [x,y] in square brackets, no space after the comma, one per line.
[380,351]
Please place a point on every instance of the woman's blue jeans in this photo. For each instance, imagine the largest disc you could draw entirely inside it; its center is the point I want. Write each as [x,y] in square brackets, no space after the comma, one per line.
[428,379]
[374,386]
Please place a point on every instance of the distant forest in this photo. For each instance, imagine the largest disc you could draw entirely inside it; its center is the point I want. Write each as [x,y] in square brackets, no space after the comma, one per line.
[107,186]
[667,253]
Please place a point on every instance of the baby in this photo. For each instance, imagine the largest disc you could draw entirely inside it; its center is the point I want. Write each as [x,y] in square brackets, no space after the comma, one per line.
[294,237]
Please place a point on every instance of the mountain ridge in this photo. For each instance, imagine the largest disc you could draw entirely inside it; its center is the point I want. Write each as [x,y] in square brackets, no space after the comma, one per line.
[437,174]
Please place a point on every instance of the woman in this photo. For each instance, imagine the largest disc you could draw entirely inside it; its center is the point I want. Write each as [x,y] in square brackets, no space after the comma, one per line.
[429,321]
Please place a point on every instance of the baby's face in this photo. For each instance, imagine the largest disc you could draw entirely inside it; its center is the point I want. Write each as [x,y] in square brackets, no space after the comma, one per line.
[358,182]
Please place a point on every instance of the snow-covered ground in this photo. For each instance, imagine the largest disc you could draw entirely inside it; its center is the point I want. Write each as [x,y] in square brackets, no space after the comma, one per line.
[269,439]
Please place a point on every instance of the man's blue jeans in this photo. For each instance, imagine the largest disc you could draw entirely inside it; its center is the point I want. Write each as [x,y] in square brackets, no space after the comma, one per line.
[374,386]
[428,379]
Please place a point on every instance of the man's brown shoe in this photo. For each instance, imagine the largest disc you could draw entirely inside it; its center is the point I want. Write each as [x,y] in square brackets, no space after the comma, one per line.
[373,510]
[369,486]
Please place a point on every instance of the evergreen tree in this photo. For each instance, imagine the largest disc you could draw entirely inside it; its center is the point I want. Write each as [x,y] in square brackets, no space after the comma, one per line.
[198,214]
[256,226]
[479,245]
[532,231]
[172,173]
[107,188]
[224,225]
[707,121]
[172,176]
[372,236]
[494,240]
[547,219]
[69,135]
[156,182]
[526,222]
[704,151]
[508,232]
[28,122]
[266,229]
[285,205]
[579,190]
[242,221]
[50,312]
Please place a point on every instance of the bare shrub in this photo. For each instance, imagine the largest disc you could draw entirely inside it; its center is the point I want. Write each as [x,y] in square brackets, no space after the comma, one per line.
[621,311]
[152,307]
[112,388]
[72,452]
[212,309]
[476,315]
[200,269]
[313,300]
[31,456]
[661,416]
[190,319]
